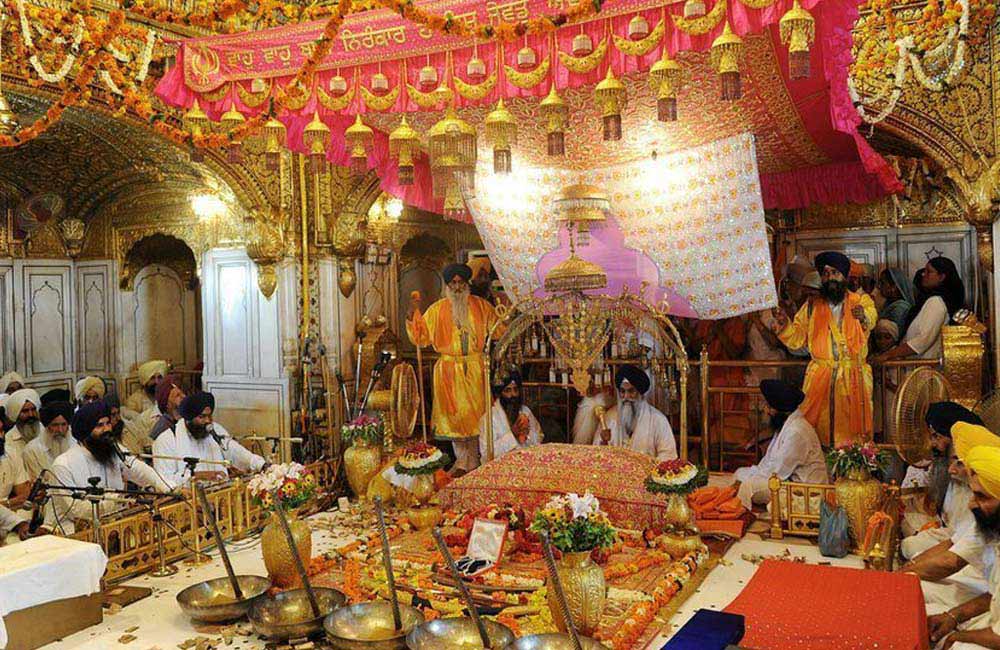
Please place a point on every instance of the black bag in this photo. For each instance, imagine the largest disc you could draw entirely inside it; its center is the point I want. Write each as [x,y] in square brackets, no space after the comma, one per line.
[834,532]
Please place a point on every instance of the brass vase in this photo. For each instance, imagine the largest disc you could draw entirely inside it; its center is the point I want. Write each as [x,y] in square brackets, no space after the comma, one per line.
[858,494]
[361,462]
[586,592]
[677,513]
[278,557]
[422,489]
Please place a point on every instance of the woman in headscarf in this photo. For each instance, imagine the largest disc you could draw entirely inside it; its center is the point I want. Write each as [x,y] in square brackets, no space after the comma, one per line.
[944,294]
[898,293]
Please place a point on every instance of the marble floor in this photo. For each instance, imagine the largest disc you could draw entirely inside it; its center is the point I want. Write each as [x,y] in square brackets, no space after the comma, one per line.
[158,624]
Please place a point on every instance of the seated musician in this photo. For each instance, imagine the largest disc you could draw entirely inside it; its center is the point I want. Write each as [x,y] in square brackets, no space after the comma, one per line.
[794,453]
[633,422]
[14,482]
[14,527]
[514,425]
[95,457]
[197,436]
[948,488]
[52,442]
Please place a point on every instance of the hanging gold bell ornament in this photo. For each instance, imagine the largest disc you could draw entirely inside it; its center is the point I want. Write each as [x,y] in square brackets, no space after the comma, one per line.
[428,77]
[638,28]
[798,30]
[501,131]
[233,119]
[555,113]
[316,136]
[695,8]
[338,85]
[359,137]
[611,100]
[475,69]
[196,122]
[274,138]
[667,78]
[451,143]
[725,57]
[582,45]
[403,142]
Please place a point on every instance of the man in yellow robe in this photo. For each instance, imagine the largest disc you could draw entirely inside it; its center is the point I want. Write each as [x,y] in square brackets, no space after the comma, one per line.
[835,327]
[456,326]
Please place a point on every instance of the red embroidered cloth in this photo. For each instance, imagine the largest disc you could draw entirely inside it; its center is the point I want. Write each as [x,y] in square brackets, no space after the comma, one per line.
[529,477]
[794,606]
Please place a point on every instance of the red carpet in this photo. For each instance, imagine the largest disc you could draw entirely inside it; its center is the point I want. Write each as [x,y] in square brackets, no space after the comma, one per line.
[794,606]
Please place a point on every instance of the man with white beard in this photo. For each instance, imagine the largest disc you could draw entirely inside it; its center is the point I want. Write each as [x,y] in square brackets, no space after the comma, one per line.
[633,422]
[53,441]
[514,425]
[22,409]
[456,326]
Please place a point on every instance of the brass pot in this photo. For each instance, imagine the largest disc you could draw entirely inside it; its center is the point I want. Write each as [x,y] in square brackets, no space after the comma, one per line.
[361,462]
[677,546]
[278,557]
[422,489]
[586,592]
[425,518]
[677,513]
[859,494]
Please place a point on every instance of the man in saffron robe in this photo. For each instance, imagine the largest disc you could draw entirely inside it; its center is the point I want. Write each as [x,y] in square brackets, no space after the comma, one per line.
[835,327]
[456,326]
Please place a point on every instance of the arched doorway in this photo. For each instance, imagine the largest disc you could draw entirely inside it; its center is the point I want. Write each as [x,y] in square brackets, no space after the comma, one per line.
[161,304]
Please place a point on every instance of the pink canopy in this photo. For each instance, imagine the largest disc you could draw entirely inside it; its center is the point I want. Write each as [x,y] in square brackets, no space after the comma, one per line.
[809,148]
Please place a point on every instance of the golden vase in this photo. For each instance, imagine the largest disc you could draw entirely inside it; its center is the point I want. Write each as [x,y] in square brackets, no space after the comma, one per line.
[278,557]
[422,489]
[858,494]
[361,462]
[677,513]
[586,592]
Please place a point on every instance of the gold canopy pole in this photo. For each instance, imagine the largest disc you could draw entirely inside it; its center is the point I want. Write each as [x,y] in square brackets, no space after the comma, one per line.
[285,446]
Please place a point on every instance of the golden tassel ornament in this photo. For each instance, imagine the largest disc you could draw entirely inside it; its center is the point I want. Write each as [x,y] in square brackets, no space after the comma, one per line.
[274,138]
[231,120]
[555,112]
[501,132]
[695,8]
[403,142]
[451,143]
[725,58]
[667,77]
[798,31]
[359,137]
[315,137]
[196,122]
[611,100]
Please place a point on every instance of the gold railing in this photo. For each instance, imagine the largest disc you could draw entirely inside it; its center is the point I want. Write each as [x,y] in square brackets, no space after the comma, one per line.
[129,536]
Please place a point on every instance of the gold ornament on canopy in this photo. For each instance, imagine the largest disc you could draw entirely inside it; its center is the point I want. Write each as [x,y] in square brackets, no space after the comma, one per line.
[231,120]
[581,204]
[451,143]
[667,77]
[555,113]
[578,206]
[358,137]
[611,99]
[798,30]
[403,143]
[694,8]
[501,131]
[579,334]
[725,58]
[274,138]
[582,45]
[196,122]
[316,136]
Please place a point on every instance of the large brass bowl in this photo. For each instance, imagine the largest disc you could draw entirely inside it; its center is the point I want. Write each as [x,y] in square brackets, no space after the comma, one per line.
[553,642]
[288,614]
[457,634]
[213,601]
[369,626]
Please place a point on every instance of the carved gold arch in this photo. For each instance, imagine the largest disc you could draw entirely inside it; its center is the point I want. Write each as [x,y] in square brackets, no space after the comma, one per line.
[346,232]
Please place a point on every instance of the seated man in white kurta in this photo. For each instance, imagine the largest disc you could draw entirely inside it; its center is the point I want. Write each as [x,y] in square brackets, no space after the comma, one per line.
[197,436]
[794,453]
[633,422]
[14,525]
[96,456]
[22,409]
[52,442]
[514,425]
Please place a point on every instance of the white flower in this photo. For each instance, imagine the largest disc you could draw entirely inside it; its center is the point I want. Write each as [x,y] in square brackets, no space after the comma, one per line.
[583,506]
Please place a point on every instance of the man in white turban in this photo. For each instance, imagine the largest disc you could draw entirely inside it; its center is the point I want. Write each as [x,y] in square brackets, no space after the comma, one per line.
[22,409]
[54,441]
[150,374]
[633,422]
[11,382]
[89,389]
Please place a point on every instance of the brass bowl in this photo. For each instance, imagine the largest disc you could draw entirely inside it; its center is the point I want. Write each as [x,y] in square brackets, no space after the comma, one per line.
[213,601]
[457,634]
[553,642]
[369,626]
[288,614]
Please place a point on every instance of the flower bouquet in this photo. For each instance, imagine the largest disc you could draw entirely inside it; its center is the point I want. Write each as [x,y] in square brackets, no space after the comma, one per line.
[574,523]
[856,459]
[420,459]
[364,430]
[289,485]
[676,477]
